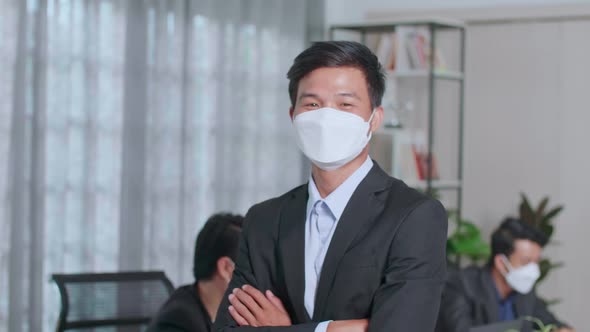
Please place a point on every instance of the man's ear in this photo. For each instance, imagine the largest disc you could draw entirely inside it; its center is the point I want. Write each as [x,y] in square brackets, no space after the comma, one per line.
[225,268]
[291,112]
[377,119]
[500,265]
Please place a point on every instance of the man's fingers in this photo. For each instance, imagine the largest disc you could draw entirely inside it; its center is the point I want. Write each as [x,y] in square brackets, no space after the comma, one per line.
[276,301]
[248,301]
[257,295]
[237,317]
[242,310]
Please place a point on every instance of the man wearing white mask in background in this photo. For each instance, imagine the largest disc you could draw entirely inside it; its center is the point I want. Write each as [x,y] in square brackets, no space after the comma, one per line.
[353,249]
[504,289]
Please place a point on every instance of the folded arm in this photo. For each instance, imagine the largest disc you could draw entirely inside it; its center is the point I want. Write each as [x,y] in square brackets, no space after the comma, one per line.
[243,275]
[252,311]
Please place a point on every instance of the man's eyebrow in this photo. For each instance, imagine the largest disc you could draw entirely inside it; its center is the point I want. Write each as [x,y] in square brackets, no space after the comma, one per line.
[349,94]
[308,95]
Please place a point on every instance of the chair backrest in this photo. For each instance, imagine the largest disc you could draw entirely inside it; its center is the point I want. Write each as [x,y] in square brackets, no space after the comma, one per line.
[128,300]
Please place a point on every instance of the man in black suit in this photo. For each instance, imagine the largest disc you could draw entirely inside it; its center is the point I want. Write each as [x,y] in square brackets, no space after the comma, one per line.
[353,249]
[193,308]
[502,290]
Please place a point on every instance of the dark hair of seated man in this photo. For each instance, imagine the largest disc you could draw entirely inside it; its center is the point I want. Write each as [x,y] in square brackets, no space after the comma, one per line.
[194,307]
[503,289]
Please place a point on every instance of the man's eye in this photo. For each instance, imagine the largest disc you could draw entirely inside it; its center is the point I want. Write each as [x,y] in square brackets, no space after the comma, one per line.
[312,105]
[346,105]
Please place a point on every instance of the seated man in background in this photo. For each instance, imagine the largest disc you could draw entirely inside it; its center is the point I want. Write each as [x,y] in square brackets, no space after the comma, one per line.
[504,289]
[192,308]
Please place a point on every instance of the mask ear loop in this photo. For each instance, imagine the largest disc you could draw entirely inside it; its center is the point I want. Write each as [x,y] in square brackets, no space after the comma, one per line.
[506,263]
[370,133]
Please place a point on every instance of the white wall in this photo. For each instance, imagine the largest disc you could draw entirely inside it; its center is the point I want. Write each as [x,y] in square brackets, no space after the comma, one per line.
[347,11]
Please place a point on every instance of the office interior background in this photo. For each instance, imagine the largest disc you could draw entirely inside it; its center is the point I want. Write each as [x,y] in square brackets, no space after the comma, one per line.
[125,124]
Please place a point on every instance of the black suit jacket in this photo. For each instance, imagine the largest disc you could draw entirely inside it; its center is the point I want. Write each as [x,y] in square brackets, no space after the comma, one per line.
[183,312]
[469,299]
[386,260]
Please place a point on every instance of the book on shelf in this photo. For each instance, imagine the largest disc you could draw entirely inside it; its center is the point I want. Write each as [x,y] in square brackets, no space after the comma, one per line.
[408,48]
[385,50]
[421,159]
[418,162]
[410,159]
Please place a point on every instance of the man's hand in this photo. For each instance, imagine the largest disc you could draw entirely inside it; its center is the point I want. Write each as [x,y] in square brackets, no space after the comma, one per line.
[249,307]
[566,329]
[356,325]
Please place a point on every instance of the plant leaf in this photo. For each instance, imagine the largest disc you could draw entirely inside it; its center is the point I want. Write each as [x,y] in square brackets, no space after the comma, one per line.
[551,214]
[535,321]
[547,229]
[541,208]
[526,212]
[551,302]
[545,266]
[466,241]
[557,265]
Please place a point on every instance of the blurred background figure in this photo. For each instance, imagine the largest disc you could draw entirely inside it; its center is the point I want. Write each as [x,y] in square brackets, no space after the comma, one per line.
[503,290]
[192,308]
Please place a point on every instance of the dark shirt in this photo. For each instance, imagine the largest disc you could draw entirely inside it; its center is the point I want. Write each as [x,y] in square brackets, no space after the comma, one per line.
[183,312]
[505,306]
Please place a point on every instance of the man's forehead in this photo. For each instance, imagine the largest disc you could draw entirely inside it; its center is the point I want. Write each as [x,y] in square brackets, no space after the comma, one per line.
[524,246]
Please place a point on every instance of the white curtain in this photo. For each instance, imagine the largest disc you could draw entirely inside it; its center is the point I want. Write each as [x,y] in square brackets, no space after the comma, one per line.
[124,125]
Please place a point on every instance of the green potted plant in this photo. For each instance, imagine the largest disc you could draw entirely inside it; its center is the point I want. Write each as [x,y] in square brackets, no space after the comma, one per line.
[466,241]
[539,326]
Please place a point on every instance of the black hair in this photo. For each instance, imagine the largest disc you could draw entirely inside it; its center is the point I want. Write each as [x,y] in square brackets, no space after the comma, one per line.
[219,238]
[339,54]
[510,230]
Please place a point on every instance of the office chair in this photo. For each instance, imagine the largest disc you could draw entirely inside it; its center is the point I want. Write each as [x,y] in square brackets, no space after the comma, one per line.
[122,302]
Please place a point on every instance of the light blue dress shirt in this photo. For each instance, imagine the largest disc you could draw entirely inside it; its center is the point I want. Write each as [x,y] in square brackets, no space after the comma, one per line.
[322,218]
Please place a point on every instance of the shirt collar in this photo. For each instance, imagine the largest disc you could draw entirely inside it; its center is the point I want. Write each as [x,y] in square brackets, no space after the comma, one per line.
[338,199]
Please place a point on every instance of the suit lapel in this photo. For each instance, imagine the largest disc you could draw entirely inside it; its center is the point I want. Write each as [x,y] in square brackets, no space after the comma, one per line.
[291,247]
[361,209]
[490,303]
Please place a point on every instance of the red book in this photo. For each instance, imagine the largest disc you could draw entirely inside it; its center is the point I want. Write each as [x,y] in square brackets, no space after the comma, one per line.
[418,161]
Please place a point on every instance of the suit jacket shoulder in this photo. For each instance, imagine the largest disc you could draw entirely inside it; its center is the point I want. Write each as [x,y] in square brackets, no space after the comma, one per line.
[264,217]
[401,201]
[404,197]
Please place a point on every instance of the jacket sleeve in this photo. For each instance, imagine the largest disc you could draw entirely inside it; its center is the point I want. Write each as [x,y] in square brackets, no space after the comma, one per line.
[455,307]
[243,275]
[410,295]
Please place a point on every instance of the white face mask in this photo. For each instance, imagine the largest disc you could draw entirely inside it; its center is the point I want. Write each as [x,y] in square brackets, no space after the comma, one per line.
[331,138]
[522,279]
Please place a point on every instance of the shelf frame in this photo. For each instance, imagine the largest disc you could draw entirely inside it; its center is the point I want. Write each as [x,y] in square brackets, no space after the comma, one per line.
[432,74]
